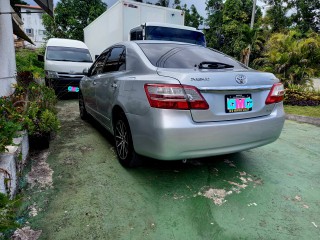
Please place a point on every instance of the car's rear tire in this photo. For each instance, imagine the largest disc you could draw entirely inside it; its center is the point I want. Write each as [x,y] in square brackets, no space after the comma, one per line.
[123,143]
[84,115]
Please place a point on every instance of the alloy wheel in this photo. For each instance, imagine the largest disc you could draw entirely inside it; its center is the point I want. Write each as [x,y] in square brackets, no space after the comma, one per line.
[122,139]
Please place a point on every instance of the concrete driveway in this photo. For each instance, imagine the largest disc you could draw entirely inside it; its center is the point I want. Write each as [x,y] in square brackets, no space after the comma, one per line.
[271,192]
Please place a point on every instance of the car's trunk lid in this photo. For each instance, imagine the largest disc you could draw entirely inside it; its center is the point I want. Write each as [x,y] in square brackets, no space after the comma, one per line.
[231,94]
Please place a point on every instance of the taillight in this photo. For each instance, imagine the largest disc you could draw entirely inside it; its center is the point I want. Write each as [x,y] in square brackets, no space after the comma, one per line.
[276,94]
[175,96]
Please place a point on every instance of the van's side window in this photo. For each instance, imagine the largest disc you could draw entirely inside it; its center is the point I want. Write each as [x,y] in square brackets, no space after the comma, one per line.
[116,60]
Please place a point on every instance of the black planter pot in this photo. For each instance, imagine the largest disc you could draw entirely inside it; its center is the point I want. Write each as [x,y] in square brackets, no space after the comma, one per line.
[39,142]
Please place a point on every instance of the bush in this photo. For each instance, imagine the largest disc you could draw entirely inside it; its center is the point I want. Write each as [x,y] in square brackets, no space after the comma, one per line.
[7,214]
[32,107]
[40,121]
[40,117]
[301,96]
[293,57]
[43,96]
[27,61]
[10,123]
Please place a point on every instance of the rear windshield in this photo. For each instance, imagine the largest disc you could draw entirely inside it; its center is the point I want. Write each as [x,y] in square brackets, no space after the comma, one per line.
[167,55]
[175,34]
[68,54]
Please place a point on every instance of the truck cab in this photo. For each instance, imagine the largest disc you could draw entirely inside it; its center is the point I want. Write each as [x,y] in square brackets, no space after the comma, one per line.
[167,32]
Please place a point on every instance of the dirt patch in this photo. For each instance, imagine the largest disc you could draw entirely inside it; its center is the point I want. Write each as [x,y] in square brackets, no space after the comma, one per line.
[68,113]
[26,233]
[33,211]
[218,195]
[41,173]
[84,149]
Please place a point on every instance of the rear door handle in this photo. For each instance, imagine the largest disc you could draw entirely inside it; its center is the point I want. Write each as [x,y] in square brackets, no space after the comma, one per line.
[94,82]
[114,85]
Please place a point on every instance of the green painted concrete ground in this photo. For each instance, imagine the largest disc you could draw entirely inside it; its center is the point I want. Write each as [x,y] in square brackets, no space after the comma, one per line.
[271,192]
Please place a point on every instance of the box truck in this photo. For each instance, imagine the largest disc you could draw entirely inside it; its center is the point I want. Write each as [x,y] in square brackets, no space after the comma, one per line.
[129,20]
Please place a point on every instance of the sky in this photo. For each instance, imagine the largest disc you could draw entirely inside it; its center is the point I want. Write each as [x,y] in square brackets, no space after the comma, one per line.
[199,4]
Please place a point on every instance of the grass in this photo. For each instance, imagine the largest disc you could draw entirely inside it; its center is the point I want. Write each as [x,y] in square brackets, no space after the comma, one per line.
[309,111]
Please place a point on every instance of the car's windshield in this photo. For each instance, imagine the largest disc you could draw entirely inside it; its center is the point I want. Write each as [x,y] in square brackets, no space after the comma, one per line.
[68,54]
[175,34]
[167,55]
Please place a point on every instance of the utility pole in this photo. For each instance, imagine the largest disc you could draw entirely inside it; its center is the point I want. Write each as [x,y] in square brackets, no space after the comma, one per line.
[251,27]
[8,67]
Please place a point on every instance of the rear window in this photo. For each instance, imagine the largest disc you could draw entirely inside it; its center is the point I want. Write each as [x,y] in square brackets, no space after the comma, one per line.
[68,54]
[166,55]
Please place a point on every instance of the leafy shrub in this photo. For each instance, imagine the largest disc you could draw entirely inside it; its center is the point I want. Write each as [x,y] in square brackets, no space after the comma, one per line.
[42,95]
[27,61]
[40,121]
[292,57]
[10,123]
[32,107]
[7,214]
[301,96]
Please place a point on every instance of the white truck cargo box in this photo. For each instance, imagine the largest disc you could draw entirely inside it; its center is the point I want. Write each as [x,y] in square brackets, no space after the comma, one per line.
[114,25]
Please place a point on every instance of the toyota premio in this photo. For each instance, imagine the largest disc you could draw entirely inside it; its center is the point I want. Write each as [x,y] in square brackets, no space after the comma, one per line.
[171,101]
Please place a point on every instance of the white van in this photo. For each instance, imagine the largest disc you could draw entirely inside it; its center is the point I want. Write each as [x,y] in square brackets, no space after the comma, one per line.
[64,62]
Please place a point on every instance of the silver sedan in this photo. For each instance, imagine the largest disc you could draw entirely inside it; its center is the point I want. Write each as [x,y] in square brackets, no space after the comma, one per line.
[171,101]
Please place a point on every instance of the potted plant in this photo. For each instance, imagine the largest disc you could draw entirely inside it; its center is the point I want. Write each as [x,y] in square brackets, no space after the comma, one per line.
[40,118]
[40,123]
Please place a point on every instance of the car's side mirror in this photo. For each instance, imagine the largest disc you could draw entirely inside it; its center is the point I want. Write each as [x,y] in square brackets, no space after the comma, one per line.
[40,58]
[85,71]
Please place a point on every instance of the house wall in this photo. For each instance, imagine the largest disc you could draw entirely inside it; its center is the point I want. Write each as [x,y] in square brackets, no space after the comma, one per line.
[33,26]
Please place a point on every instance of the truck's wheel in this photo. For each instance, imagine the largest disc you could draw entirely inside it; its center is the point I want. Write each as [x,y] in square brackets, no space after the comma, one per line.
[82,108]
[124,145]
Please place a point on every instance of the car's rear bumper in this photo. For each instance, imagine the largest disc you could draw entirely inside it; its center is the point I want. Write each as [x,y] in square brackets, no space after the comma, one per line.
[172,135]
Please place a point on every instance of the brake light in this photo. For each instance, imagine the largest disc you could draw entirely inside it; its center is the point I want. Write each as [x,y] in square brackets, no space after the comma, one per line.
[276,94]
[175,96]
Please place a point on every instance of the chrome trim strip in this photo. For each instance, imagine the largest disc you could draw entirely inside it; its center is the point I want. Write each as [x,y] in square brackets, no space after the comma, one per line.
[235,88]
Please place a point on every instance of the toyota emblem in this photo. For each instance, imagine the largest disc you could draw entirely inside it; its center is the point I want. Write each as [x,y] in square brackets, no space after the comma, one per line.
[241,79]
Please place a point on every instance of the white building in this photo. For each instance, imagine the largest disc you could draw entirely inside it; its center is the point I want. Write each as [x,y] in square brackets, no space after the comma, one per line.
[32,24]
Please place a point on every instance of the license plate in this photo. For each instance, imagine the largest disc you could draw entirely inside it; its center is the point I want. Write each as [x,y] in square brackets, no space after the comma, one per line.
[238,103]
[73,89]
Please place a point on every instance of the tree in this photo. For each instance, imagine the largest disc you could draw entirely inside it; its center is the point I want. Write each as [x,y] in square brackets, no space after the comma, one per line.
[192,17]
[176,4]
[304,15]
[307,14]
[163,3]
[214,35]
[229,24]
[71,16]
[293,58]
[276,16]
